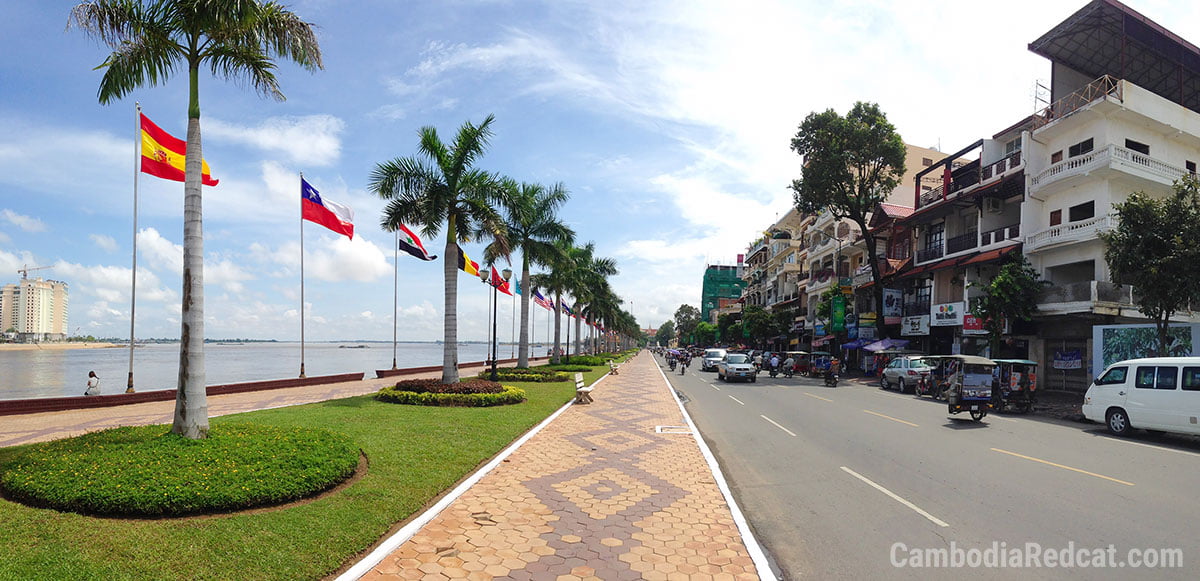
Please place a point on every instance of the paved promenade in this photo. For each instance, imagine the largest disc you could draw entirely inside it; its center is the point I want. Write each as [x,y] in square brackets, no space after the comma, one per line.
[600,493]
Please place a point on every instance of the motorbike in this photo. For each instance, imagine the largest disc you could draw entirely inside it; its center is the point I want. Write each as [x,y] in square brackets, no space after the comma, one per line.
[671,363]
[788,370]
[831,379]
[773,371]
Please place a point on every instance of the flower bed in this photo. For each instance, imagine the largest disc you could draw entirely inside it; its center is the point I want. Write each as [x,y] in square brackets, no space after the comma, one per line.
[540,375]
[431,392]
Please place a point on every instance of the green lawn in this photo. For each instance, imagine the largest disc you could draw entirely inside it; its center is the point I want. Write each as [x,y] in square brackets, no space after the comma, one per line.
[415,453]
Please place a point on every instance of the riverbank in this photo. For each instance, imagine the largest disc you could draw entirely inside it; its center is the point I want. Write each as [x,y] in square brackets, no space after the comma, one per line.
[55,346]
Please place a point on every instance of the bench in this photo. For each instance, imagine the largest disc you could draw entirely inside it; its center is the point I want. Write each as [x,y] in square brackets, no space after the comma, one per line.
[613,367]
[583,393]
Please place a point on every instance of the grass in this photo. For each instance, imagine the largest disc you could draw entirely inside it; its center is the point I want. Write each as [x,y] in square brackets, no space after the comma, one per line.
[415,453]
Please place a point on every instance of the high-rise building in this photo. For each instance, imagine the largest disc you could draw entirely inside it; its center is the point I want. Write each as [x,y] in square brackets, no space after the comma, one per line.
[720,282]
[35,309]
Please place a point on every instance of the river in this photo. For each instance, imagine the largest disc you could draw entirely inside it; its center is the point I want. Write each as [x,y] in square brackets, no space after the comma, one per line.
[30,374]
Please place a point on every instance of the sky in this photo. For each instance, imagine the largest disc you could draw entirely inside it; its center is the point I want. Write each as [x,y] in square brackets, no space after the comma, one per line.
[668,122]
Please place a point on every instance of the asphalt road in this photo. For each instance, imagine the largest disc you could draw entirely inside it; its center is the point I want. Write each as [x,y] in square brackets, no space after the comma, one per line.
[847,482]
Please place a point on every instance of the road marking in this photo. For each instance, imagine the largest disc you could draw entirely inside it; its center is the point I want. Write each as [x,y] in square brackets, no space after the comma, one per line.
[736,399]
[790,433]
[935,520]
[716,388]
[1153,447]
[1061,466]
[891,418]
[818,397]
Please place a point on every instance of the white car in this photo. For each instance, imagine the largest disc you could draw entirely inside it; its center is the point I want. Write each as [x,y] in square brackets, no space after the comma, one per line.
[736,366]
[711,358]
[1154,393]
[903,372]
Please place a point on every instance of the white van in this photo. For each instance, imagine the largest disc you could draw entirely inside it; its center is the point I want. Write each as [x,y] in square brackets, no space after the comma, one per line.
[1155,393]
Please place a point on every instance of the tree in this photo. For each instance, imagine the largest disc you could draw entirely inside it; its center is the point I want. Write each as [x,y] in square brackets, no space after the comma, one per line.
[706,333]
[536,231]
[238,40]
[760,324]
[441,188]
[727,324]
[587,276]
[665,333]
[851,164]
[686,319]
[1154,248]
[1011,295]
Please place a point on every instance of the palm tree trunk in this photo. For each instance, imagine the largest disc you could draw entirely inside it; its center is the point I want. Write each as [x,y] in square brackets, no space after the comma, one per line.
[557,357]
[523,349]
[578,326]
[191,397]
[450,332]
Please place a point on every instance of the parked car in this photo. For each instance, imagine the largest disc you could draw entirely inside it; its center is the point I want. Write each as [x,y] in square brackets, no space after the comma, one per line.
[736,366]
[1154,393]
[903,372]
[711,358]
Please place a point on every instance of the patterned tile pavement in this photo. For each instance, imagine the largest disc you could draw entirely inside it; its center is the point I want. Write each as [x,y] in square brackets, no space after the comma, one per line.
[597,494]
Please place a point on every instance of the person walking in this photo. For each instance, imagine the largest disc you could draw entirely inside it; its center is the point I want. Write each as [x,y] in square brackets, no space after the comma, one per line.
[93,384]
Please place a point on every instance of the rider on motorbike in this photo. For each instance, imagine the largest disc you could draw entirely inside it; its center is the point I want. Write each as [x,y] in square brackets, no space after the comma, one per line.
[832,373]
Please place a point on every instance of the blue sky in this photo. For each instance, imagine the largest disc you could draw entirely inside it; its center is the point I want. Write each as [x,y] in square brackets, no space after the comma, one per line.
[668,122]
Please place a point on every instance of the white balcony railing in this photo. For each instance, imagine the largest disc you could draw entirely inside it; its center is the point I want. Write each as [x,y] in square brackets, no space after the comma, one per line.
[1114,156]
[1072,232]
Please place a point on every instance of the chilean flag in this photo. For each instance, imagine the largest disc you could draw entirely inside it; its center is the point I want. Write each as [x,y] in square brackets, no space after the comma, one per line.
[327,213]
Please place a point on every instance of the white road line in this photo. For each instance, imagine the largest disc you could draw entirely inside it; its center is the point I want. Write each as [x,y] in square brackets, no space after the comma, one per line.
[1153,447]
[935,520]
[716,388]
[736,399]
[818,397]
[790,433]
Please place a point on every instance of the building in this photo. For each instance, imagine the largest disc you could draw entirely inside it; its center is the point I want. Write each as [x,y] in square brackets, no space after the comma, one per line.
[720,282]
[35,310]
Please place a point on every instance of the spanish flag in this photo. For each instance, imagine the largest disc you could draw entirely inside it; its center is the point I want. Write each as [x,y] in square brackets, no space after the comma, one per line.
[163,154]
[466,264]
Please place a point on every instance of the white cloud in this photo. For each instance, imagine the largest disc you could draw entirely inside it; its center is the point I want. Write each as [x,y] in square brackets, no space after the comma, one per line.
[26,223]
[311,140]
[104,241]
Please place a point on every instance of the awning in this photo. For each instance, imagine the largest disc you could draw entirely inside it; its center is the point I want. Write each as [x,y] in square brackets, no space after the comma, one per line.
[882,344]
[855,344]
[991,255]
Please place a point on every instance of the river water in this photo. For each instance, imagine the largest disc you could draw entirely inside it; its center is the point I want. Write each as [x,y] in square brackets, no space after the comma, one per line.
[57,373]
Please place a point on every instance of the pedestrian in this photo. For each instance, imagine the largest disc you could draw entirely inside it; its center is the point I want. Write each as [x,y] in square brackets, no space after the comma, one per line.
[93,384]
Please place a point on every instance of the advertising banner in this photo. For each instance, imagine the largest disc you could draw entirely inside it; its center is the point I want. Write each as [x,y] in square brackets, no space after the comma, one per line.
[866,319]
[973,325]
[947,314]
[893,305]
[914,326]
[838,314]
[1069,359]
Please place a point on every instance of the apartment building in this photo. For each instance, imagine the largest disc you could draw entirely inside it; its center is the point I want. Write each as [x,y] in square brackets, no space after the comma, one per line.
[35,310]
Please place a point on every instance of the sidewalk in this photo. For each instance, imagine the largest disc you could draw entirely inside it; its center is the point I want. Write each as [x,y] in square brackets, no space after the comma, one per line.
[599,493]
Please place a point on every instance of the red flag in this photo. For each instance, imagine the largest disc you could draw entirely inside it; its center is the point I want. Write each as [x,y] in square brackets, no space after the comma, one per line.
[327,213]
[499,282]
[163,154]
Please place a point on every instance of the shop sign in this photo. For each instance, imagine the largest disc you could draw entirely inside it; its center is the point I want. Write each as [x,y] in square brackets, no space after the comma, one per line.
[947,314]
[866,319]
[1069,359]
[893,305]
[973,325]
[867,334]
[915,325]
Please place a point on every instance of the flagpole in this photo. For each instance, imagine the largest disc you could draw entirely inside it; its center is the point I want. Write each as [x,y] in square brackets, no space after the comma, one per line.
[137,153]
[302,277]
[512,341]
[395,291]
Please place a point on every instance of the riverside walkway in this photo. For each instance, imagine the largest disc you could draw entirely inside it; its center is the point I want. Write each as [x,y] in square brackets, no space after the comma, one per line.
[616,489]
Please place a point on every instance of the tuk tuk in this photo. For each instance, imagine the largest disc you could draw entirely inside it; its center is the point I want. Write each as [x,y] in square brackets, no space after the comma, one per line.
[1015,385]
[818,363]
[969,388]
[937,380]
[801,362]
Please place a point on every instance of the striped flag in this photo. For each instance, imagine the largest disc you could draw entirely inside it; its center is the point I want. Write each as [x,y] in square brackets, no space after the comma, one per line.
[542,301]
[411,244]
[466,264]
[565,309]
[163,154]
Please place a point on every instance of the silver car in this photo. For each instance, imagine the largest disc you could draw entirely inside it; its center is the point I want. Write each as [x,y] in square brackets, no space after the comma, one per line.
[711,358]
[903,372]
[736,366]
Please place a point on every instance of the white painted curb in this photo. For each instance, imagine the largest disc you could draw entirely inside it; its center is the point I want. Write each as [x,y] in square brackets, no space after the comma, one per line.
[757,554]
[393,542]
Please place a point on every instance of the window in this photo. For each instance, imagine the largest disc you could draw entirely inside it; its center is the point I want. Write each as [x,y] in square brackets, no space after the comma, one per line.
[1168,378]
[1164,377]
[1191,167]
[1137,146]
[1056,157]
[925,161]
[1144,379]
[1080,148]
[1082,211]
[1191,379]
[935,234]
[1056,217]
[1012,146]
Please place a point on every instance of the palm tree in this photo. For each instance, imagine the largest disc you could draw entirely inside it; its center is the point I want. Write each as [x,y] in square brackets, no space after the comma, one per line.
[534,229]
[237,39]
[441,188]
[586,276]
[555,284]
[602,309]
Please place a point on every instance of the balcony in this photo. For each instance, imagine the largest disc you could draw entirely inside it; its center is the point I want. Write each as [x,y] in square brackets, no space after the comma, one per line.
[1089,296]
[1013,161]
[1071,232]
[1010,232]
[931,253]
[1101,88]
[960,243]
[1112,157]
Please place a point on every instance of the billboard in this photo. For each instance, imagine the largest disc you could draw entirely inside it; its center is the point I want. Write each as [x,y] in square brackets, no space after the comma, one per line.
[1113,343]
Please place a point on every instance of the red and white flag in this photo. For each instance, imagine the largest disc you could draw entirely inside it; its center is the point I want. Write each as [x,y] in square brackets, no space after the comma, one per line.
[327,213]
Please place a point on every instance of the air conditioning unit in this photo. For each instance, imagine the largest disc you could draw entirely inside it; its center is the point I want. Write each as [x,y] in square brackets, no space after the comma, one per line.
[993,205]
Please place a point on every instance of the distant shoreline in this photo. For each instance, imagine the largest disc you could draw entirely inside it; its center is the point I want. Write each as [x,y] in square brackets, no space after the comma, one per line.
[55,346]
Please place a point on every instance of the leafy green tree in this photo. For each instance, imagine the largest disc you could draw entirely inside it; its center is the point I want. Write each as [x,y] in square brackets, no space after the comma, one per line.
[706,333]
[761,324]
[851,164]
[237,39]
[1154,248]
[725,327]
[1010,295]
[686,319]
[531,219]
[437,188]
[665,333]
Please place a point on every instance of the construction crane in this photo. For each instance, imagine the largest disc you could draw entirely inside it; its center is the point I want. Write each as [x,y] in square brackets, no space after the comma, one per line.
[25,271]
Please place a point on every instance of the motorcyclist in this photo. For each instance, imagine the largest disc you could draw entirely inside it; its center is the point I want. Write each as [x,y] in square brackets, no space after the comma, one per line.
[833,371]
[684,361]
[774,364]
[789,366]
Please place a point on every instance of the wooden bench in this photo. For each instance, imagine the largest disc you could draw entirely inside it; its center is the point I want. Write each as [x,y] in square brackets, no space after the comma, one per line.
[613,367]
[583,393]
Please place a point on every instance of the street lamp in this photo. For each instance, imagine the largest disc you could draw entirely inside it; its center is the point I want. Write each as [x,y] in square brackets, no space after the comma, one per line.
[485,277]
